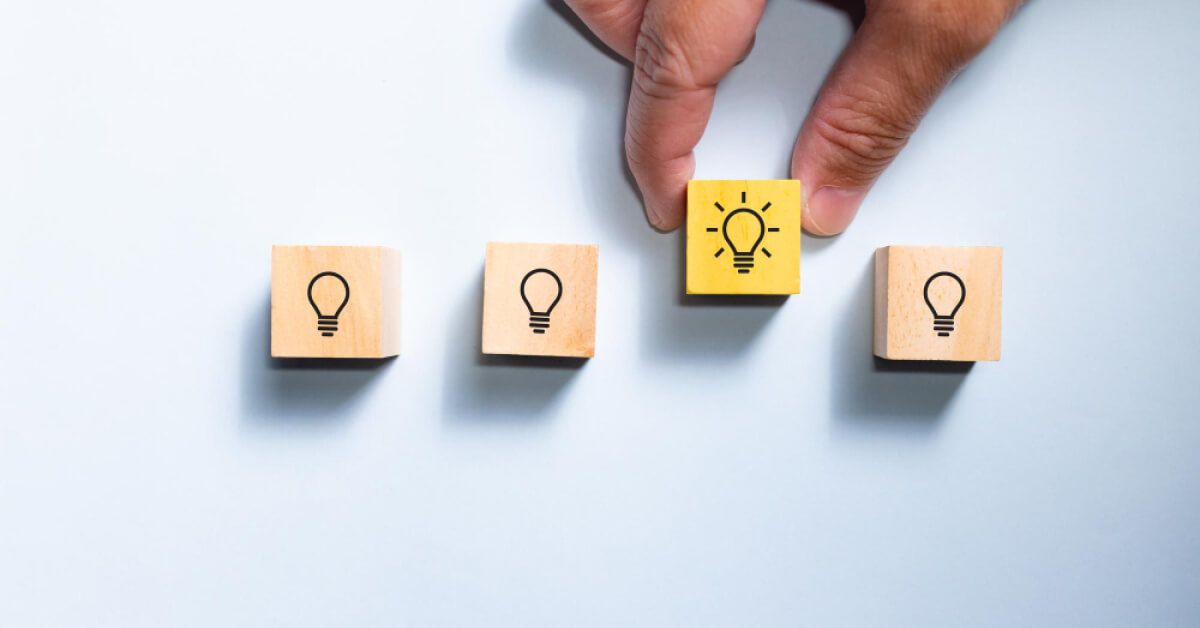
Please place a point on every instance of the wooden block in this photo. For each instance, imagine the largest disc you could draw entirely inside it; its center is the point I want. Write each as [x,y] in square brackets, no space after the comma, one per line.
[938,303]
[743,237]
[540,299]
[335,302]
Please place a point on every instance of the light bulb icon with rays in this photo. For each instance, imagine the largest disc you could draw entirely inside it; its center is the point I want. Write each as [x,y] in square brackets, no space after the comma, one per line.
[945,293]
[743,230]
[541,290]
[328,294]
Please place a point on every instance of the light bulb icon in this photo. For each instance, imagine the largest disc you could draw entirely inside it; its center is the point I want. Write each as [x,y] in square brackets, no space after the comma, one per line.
[328,294]
[944,294]
[541,290]
[743,230]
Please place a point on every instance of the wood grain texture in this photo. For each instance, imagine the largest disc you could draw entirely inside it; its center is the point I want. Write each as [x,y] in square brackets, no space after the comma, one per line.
[307,291]
[743,237]
[938,303]
[527,312]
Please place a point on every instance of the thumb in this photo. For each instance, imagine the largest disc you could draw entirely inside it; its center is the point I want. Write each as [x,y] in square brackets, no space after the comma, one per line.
[902,56]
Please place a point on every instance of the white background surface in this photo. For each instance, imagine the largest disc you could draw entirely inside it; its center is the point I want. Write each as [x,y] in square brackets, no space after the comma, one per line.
[715,464]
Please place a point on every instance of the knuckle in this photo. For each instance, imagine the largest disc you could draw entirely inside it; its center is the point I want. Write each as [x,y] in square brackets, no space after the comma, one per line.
[957,30]
[867,140]
[661,63]
[637,152]
[646,157]
[641,151]
[607,12]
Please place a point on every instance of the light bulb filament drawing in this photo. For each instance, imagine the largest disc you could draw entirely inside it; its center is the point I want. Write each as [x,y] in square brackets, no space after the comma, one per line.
[945,293]
[540,297]
[743,230]
[328,294]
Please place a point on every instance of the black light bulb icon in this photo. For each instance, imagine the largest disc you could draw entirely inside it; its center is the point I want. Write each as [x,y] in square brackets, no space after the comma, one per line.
[541,290]
[944,294]
[328,293]
[743,230]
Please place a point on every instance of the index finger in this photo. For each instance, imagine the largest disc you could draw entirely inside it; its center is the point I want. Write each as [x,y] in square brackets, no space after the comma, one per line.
[683,50]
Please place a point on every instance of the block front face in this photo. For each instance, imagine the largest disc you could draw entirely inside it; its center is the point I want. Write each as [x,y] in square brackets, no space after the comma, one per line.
[938,303]
[540,299]
[743,237]
[334,302]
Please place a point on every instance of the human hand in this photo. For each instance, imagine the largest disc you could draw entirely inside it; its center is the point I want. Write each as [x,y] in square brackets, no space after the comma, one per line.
[902,56]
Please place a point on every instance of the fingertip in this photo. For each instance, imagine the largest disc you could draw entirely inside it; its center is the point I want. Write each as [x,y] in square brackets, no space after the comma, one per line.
[663,226]
[663,187]
[664,216]
[831,209]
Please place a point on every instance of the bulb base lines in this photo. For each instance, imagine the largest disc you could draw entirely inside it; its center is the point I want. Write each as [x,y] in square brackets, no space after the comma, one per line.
[539,323]
[327,325]
[943,325]
[743,263]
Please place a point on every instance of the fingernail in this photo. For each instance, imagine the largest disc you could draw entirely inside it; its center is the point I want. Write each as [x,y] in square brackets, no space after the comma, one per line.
[654,217]
[830,209]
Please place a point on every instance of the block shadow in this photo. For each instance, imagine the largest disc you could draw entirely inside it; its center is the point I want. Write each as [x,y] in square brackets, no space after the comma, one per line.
[298,391]
[873,394]
[482,388]
[680,327]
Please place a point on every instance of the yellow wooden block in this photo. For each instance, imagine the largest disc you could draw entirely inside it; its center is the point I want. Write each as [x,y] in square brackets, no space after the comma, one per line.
[335,302]
[743,237]
[938,303]
[540,299]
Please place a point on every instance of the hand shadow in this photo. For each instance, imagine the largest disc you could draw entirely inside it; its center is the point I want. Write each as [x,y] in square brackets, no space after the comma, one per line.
[498,388]
[310,392]
[551,40]
[873,394]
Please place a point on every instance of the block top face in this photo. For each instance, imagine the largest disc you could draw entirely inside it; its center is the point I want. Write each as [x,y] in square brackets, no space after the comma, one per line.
[540,299]
[939,303]
[743,237]
[334,301]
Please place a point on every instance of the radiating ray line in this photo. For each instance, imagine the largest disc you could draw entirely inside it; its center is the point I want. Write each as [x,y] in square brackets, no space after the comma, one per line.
[719,252]
[766,207]
[766,252]
[719,206]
